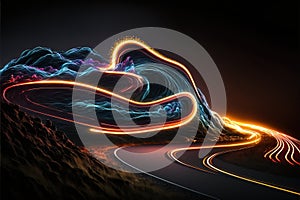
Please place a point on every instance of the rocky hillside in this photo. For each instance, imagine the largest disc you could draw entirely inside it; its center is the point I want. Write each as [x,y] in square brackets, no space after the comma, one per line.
[38,162]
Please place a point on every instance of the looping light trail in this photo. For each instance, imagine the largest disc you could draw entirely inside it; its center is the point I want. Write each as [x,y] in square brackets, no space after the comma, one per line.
[287,148]
[134,130]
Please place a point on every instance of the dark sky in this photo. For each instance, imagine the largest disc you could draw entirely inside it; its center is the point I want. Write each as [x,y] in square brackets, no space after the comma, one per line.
[255,45]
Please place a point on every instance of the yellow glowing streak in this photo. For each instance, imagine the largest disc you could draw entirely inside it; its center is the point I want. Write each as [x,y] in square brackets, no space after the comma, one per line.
[273,149]
[292,156]
[170,154]
[254,140]
[209,161]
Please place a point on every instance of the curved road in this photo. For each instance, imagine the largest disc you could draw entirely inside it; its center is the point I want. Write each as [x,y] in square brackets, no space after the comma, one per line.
[212,185]
[189,174]
[210,178]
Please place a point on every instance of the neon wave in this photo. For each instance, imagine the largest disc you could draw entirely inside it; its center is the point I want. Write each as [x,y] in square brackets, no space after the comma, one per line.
[287,148]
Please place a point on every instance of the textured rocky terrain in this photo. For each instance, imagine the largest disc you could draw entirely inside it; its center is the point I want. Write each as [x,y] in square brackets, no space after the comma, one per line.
[38,162]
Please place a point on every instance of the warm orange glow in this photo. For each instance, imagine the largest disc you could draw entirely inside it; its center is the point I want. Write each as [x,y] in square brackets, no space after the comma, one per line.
[286,145]
[287,148]
[123,130]
[134,41]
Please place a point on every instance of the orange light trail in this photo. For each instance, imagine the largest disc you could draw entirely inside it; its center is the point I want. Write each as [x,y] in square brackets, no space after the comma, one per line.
[255,132]
[209,163]
[124,130]
[283,142]
[286,149]
[117,50]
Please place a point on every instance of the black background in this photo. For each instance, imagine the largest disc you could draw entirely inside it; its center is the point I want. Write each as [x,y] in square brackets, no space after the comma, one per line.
[254,44]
